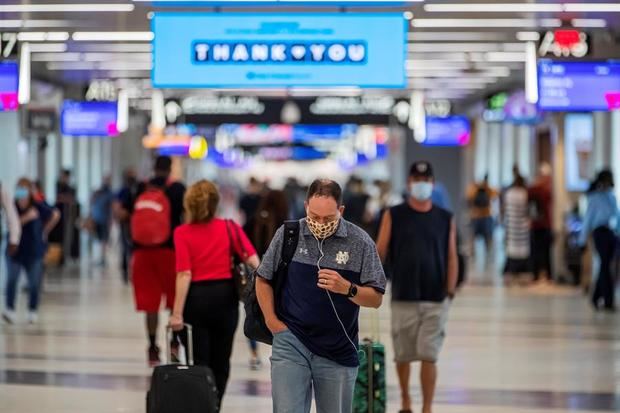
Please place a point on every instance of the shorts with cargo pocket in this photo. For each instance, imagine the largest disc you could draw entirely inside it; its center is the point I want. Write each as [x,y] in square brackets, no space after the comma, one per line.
[418,330]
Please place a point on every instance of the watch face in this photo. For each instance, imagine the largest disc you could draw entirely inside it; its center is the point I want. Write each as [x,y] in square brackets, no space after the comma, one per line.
[353,292]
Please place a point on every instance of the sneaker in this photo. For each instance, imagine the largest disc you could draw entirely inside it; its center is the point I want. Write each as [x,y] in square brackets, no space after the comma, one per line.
[33,317]
[255,364]
[153,353]
[9,316]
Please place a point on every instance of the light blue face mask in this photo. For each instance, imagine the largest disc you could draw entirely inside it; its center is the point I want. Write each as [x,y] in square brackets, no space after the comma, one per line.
[21,193]
[422,191]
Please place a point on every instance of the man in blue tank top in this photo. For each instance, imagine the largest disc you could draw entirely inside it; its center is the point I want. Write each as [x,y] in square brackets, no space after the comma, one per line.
[419,239]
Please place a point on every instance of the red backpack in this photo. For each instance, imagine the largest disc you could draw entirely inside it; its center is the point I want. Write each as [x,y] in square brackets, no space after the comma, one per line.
[150,221]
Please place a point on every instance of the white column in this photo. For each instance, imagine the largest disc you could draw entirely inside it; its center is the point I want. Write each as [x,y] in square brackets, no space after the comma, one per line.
[494,154]
[67,159]
[508,155]
[561,200]
[51,167]
[82,172]
[525,149]
[95,166]
[481,151]
[600,143]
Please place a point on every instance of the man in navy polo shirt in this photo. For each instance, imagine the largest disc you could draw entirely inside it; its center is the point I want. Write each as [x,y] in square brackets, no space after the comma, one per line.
[335,270]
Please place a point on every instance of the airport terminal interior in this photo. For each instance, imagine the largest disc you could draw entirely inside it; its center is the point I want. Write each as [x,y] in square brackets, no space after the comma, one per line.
[510,108]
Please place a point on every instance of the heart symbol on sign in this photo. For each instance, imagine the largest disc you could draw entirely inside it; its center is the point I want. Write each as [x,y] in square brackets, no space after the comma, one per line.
[298,52]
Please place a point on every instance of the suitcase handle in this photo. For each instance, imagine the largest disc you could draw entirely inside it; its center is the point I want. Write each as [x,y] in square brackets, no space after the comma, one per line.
[190,344]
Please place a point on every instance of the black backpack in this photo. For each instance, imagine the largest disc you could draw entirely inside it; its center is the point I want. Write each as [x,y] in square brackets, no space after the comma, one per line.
[482,198]
[254,326]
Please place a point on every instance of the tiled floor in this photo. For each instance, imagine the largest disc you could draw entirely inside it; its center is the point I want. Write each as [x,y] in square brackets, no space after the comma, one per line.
[537,349]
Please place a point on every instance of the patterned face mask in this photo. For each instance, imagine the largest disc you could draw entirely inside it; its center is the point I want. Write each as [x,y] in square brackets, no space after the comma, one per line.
[322,231]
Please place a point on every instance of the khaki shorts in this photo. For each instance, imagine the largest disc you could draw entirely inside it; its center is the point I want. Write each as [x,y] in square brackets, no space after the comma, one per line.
[418,330]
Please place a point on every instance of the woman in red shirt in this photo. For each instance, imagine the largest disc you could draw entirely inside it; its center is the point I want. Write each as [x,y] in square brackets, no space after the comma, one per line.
[205,291]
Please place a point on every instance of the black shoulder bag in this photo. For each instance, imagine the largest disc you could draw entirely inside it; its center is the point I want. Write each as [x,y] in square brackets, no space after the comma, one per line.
[254,326]
[240,270]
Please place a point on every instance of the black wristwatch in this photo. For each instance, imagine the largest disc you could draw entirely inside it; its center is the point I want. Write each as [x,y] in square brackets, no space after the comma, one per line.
[352,291]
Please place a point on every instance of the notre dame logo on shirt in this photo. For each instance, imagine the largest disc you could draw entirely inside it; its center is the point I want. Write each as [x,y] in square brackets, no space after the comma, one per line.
[342,257]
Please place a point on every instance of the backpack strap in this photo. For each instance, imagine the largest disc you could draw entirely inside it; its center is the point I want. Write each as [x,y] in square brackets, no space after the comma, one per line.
[289,244]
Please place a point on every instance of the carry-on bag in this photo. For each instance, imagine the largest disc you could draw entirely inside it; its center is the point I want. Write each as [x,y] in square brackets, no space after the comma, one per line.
[182,388]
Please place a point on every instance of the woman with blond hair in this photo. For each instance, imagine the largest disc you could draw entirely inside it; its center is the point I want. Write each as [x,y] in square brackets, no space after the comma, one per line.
[206,296]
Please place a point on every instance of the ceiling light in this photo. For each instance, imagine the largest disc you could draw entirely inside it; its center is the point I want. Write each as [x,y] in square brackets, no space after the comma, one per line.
[593,7]
[56,57]
[17,24]
[431,23]
[593,23]
[48,47]
[71,66]
[464,47]
[457,36]
[528,36]
[114,66]
[505,57]
[65,8]
[43,36]
[104,57]
[495,8]
[115,47]
[113,36]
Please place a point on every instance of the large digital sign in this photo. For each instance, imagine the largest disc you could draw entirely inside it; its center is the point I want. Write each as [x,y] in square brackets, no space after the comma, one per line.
[9,80]
[578,86]
[240,50]
[448,131]
[88,119]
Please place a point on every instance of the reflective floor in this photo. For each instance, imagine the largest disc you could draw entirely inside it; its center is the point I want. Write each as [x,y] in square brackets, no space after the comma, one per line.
[534,349]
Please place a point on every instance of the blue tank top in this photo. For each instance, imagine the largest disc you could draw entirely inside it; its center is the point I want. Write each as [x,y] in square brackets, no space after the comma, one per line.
[419,253]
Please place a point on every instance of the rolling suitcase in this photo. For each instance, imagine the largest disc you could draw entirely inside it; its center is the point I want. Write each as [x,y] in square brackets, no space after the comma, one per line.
[370,391]
[179,388]
[370,394]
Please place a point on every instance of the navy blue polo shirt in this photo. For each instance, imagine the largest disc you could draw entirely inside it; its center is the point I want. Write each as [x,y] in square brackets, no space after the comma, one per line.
[32,246]
[305,308]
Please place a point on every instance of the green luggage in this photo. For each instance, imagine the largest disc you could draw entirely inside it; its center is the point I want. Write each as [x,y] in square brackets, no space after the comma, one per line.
[370,395]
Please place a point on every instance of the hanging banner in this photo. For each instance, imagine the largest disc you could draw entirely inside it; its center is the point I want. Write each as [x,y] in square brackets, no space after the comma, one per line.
[239,50]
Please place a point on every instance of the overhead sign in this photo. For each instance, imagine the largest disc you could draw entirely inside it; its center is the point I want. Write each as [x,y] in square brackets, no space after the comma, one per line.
[255,3]
[279,50]
[41,121]
[102,91]
[577,86]
[88,119]
[8,45]
[9,80]
[564,43]
[448,131]
[217,110]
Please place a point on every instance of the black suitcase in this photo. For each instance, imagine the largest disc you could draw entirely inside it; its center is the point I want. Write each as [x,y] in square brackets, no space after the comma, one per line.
[178,388]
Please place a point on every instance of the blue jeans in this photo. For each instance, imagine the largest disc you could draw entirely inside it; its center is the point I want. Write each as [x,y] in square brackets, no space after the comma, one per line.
[34,272]
[295,372]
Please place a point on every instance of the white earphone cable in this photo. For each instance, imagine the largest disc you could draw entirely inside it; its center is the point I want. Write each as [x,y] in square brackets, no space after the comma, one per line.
[344,330]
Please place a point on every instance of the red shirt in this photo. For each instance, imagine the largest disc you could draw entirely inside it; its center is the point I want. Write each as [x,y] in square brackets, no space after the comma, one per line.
[204,249]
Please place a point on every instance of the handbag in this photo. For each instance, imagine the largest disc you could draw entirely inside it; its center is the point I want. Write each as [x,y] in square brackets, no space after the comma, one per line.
[239,269]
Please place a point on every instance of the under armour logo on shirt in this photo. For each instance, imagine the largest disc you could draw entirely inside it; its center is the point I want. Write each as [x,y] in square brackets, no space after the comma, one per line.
[303,251]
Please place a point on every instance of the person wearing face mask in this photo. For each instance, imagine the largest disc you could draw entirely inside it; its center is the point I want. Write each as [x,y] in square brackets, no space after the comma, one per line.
[314,319]
[37,220]
[420,240]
